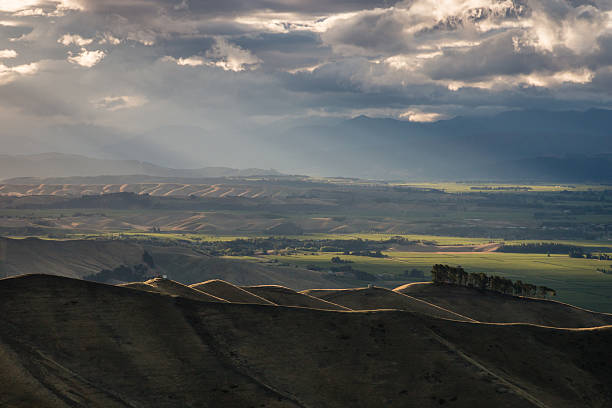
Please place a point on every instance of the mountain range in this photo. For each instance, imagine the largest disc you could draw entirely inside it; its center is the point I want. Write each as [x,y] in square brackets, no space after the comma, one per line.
[65,165]
[515,145]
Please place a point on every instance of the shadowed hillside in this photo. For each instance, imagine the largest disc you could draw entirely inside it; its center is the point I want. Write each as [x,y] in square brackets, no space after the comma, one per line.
[287,297]
[488,306]
[169,287]
[381,298]
[145,349]
[229,292]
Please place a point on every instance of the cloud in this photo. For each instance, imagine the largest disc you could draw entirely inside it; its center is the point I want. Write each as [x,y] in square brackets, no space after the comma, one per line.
[69,39]
[204,63]
[224,55]
[231,57]
[193,61]
[418,116]
[25,8]
[10,74]
[86,58]
[113,103]
[5,54]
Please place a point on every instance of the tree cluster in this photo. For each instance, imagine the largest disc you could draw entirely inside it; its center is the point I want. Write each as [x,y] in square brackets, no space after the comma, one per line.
[122,273]
[445,274]
[539,248]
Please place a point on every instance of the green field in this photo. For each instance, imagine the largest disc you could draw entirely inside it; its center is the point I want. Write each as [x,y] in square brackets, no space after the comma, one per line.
[437,240]
[467,187]
[576,280]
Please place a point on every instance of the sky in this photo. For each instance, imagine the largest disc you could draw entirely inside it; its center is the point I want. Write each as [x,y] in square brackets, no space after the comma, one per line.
[191,82]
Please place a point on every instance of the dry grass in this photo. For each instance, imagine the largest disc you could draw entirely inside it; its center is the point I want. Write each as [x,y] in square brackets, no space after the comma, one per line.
[229,292]
[69,342]
[487,306]
[381,298]
[287,297]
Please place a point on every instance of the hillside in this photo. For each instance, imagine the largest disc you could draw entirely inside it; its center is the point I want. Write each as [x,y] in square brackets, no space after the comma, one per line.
[80,258]
[172,288]
[72,258]
[381,298]
[287,297]
[229,292]
[145,349]
[488,306]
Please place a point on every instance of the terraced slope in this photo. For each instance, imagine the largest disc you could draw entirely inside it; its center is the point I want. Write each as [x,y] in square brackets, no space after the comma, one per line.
[287,297]
[67,343]
[229,292]
[381,298]
[487,306]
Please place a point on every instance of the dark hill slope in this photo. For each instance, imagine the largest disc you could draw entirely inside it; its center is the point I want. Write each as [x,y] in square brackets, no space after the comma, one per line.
[287,297]
[381,298]
[229,292]
[487,306]
[172,288]
[66,343]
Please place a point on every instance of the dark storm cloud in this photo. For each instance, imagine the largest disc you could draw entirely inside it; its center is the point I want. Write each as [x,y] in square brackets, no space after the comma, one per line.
[228,66]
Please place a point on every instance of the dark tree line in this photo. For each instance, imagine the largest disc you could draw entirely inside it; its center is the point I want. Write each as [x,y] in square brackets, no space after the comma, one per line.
[539,248]
[122,273]
[444,274]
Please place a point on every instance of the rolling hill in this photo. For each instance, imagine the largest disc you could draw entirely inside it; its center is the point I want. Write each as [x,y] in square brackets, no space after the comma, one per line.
[80,258]
[66,343]
[229,292]
[283,296]
[488,306]
[380,298]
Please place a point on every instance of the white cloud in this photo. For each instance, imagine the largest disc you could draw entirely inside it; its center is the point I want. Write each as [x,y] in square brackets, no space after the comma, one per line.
[108,38]
[8,54]
[69,39]
[113,103]
[86,58]
[193,61]
[12,6]
[23,8]
[231,57]
[224,55]
[9,74]
[418,116]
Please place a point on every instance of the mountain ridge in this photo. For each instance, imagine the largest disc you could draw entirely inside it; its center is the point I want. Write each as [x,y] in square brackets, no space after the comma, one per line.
[66,165]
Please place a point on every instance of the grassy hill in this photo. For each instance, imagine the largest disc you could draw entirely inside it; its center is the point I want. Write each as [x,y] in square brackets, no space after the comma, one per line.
[172,288]
[230,292]
[488,306]
[73,258]
[66,342]
[80,258]
[381,298]
[283,296]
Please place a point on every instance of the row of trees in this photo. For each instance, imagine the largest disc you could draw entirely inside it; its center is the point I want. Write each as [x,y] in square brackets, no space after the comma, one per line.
[445,274]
